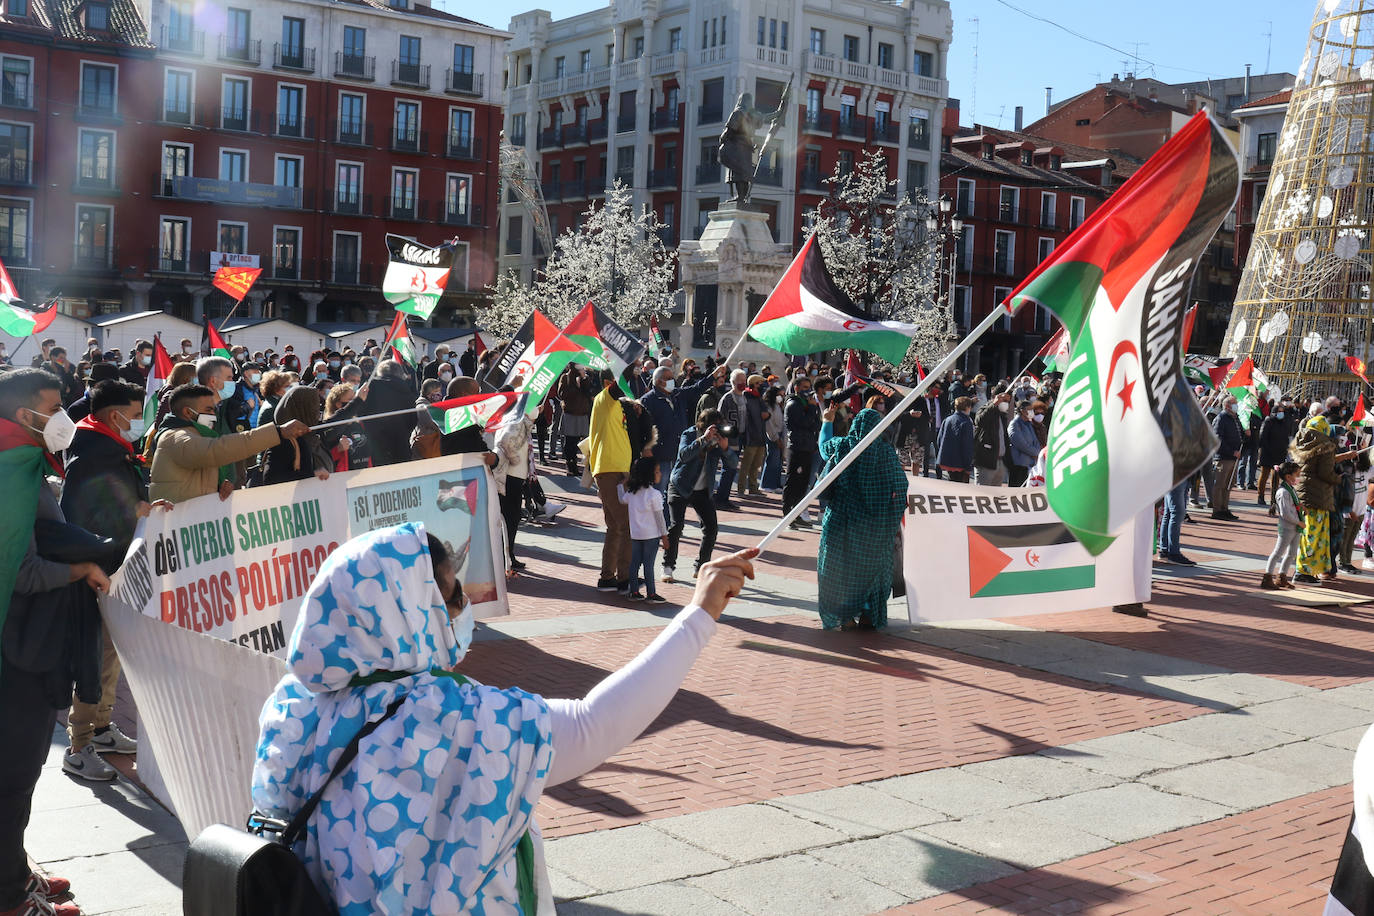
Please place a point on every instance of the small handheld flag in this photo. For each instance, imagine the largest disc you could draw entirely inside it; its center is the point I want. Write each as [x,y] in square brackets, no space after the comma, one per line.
[398,340]
[1358,367]
[158,374]
[490,411]
[416,275]
[214,342]
[660,345]
[1359,417]
[235,282]
[16,318]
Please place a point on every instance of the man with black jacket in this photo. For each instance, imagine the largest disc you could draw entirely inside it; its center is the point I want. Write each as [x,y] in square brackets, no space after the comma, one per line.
[35,593]
[135,371]
[1227,428]
[58,364]
[990,441]
[802,417]
[104,491]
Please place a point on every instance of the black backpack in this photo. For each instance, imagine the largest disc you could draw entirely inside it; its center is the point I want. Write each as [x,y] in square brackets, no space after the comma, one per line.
[231,872]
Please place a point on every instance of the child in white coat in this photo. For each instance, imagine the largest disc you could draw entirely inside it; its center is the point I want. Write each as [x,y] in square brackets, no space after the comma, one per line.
[647,528]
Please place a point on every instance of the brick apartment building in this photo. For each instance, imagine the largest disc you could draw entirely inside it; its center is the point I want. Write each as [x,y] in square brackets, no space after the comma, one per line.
[640,90]
[136,140]
[1019,196]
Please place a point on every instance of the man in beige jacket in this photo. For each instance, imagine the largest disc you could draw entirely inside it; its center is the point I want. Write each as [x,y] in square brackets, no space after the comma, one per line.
[191,459]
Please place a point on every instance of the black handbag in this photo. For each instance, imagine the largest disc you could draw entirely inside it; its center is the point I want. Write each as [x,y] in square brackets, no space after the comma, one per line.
[231,872]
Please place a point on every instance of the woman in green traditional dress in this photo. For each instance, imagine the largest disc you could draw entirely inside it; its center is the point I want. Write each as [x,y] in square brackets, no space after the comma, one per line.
[860,527]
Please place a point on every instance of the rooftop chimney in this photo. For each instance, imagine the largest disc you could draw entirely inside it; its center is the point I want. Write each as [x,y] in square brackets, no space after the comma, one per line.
[1247,83]
[1049,90]
[1020,118]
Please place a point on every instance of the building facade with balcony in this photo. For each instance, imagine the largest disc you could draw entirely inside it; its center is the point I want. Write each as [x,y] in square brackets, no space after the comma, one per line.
[640,90]
[1261,124]
[291,135]
[1019,196]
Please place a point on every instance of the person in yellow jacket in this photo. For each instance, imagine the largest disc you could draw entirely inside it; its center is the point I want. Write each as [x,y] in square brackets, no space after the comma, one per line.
[191,458]
[608,459]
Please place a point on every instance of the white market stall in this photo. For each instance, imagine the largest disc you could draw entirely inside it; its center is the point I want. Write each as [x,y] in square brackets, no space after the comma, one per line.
[342,335]
[122,330]
[260,333]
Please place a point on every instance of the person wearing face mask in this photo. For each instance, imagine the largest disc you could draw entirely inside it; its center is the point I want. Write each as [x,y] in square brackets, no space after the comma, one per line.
[662,407]
[60,366]
[439,362]
[135,371]
[400,667]
[247,388]
[1228,431]
[1273,448]
[1025,446]
[194,459]
[231,409]
[990,441]
[188,350]
[36,678]
[104,491]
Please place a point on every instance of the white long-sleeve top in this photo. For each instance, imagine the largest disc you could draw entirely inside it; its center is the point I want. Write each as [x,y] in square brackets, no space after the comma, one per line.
[646,512]
[588,731]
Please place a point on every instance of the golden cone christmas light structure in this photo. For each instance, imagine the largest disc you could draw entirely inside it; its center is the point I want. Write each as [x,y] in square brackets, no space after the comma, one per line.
[1306,298]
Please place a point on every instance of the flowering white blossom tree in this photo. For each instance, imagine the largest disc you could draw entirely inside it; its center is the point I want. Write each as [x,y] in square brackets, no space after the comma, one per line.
[881,254]
[616,258]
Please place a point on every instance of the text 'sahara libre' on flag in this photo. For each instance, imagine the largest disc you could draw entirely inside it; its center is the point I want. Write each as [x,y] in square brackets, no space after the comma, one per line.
[807,313]
[214,342]
[415,275]
[603,343]
[1126,427]
[1357,366]
[533,360]
[16,318]
[398,340]
[489,411]
[158,373]
[235,282]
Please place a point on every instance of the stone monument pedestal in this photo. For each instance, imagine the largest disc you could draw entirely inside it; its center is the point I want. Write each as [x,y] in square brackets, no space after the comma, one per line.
[726,276]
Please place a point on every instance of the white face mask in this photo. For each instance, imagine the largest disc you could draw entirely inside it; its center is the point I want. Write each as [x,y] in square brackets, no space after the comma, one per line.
[1040,418]
[668,385]
[253,378]
[146,360]
[446,375]
[135,430]
[1004,407]
[57,432]
[462,627]
[206,420]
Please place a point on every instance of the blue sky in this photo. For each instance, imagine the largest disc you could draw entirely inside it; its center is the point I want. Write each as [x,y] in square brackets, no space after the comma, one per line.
[1018,56]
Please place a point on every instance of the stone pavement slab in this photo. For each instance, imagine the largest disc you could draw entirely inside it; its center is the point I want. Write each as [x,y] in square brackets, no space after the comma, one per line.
[798,884]
[1018,836]
[1308,716]
[1131,754]
[955,792]
[614,860]
[1127,812]
[1231,734]
[670,899]
[1233,783]
[915,864]
[1041,776]
[1322,763]
[858,811]
[747,833]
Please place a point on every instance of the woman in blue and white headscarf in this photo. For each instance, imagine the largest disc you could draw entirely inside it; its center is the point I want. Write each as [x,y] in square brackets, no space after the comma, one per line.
[436,814]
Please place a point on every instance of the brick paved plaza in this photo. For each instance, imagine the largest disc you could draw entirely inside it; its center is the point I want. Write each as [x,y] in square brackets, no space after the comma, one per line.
[1195,761]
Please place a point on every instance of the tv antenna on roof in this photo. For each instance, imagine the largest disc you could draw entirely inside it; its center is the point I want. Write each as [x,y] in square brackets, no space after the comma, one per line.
[973,101]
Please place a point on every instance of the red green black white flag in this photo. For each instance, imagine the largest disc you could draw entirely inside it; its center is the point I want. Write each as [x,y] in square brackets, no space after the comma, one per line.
[490,411]
[214,342]
[416,275]
[16,318]
[399,340]
[807,313]
[1126,427]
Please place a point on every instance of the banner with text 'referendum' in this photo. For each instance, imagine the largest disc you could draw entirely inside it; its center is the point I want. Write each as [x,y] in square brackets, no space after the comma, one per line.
[973,552]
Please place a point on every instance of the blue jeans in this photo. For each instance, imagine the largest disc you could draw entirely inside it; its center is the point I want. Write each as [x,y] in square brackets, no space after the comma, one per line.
[729,467]
[1171,523]
[772,468]
[642,556]
[665,471]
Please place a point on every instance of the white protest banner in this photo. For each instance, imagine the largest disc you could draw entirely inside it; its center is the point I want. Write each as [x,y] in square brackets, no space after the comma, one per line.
[210,590]
[973,552]
[237,568]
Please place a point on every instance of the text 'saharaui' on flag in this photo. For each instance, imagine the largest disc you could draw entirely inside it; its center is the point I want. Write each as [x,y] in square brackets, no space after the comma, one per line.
[1126,428]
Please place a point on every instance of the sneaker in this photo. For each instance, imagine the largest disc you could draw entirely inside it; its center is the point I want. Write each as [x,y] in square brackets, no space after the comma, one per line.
[1305,579]
[86,764]
[49,887]
[516,565]
[1180,559]
[605,585]
[552,508]
[655,598]
[623,588]
[634,595]
[668,572]
[38,906]
[1347,568]
[800,523]
[110,740]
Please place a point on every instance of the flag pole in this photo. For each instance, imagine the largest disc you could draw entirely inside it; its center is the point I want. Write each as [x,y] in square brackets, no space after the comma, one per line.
[892,414]
[364,419]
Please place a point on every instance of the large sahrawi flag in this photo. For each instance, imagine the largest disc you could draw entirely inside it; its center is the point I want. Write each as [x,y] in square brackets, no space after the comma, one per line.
[415,275]
[1126,428]
[807,313]
[604,344]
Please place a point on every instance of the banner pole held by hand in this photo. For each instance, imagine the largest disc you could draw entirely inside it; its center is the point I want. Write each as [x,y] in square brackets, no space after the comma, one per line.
[892,414]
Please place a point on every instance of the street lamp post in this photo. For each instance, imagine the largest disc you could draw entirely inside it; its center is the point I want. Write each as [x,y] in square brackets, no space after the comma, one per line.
[947,225]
